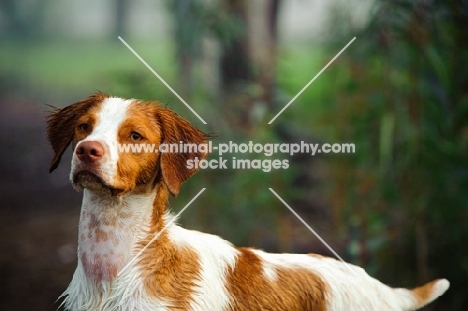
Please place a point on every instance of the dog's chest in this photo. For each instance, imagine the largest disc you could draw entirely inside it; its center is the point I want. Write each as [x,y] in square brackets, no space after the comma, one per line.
[106,236]
[102,246]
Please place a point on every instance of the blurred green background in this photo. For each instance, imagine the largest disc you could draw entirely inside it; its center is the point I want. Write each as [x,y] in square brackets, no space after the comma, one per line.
[397,207]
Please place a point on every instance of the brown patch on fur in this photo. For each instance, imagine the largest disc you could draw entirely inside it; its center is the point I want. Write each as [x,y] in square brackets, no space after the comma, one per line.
[101,235]
[62,123]
[169,272]
[137,171]
[159,207]
[94,229]
[110,221]
[124,215]
[318,256]
[93,222]
[141,171]
[175,129]
[293,289]
[424,292]
[98,267]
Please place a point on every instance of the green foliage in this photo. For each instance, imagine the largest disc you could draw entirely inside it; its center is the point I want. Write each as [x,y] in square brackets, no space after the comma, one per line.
[400,94]
[64,67]
[194,19]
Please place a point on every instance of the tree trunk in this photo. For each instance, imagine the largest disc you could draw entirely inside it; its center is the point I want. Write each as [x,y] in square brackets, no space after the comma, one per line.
[121,15]
[235,62]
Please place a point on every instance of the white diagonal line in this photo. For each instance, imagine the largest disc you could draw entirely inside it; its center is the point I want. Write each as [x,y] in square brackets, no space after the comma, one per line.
[310,82]
[160,232]
[161,79]
[311,230]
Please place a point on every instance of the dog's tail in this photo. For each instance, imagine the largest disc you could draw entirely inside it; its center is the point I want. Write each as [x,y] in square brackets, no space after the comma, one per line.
[413,299]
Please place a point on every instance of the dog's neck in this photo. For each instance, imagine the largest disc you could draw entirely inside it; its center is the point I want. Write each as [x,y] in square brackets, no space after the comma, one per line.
[111,229]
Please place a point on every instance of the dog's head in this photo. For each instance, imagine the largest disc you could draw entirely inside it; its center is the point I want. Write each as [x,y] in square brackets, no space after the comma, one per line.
[116,143]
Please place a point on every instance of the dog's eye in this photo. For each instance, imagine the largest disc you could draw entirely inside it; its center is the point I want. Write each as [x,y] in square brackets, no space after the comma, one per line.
[135,136]
[84,127]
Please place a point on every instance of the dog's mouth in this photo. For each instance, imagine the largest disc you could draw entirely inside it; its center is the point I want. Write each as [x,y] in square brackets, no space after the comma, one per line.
[92,181]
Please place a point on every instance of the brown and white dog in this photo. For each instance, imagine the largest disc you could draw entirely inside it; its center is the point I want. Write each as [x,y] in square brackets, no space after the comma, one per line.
[124,206]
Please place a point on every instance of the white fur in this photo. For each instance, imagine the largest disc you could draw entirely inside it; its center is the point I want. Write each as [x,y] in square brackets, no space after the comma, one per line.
[111,115]
[125,292]
[351,288]
[440,287]
[269,271]
[217,256]
[122,235]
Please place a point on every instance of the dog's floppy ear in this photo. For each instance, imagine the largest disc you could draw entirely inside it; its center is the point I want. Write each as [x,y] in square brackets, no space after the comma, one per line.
[60,125]
[174,130]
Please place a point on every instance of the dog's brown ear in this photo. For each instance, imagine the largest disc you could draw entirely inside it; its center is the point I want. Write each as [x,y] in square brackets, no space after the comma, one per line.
[60,125]
[174,130]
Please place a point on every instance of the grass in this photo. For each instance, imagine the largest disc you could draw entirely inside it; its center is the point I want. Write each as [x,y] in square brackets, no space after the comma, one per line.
[73,66]
[296,67]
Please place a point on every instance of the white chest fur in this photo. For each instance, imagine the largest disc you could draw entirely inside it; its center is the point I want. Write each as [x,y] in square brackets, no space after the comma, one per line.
[108,229]
[108,232]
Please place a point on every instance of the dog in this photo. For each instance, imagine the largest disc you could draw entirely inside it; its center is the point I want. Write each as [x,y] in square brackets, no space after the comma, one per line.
[124,206]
